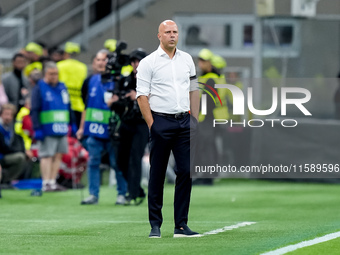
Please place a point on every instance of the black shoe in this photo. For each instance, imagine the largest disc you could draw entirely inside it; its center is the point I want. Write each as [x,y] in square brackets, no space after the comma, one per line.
[155,232]
[134,201]
[139,200]
[185,231]
[91,200]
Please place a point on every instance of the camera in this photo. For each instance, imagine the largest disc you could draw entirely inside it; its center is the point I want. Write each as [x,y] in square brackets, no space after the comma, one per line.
[116,60]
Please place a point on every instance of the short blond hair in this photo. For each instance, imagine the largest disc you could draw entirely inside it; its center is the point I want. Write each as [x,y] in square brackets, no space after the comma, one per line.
[8,106]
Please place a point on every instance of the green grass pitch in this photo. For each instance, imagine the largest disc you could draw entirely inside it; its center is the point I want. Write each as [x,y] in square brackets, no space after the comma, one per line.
[285,213]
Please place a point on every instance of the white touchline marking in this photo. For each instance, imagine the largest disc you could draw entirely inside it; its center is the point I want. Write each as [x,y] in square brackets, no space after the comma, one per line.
[294,247]
[226,228]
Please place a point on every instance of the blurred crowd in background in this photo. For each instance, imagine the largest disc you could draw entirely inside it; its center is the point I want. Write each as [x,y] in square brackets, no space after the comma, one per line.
[67,117]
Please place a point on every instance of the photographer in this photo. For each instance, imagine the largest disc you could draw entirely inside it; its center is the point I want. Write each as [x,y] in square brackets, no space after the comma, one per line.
[133,131]
[94,125]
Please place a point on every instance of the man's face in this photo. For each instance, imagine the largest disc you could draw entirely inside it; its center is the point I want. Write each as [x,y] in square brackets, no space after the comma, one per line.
[51,76]
[168,34]
[32,56]
[56,56]
[99,62]
[19,63]
[204,65]
[7,116]
[34,77]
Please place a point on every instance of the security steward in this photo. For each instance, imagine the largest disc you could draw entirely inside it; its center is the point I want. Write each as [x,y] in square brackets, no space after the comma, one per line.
[94,126]
[73,73]
[33,52]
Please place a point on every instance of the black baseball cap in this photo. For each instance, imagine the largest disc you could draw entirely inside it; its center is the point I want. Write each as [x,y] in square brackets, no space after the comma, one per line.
[138,54]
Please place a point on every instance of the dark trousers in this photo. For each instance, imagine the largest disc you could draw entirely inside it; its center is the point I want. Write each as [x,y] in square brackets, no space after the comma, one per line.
[12,166]
[169,134]
[77,116]
[133,140]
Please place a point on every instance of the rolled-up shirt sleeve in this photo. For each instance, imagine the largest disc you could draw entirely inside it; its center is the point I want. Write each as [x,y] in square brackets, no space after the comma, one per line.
[144,75]
[193,83]
[193,78]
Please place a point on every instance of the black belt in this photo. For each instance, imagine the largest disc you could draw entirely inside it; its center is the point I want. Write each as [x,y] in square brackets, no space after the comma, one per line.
[175,116]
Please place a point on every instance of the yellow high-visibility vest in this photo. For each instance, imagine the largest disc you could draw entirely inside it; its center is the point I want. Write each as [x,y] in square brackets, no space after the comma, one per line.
[18,127]
[73,73]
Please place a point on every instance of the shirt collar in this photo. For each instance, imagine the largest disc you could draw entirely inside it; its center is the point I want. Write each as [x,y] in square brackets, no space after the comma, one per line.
[161,52]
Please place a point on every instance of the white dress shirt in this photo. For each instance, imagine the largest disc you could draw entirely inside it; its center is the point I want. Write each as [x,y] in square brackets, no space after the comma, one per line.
[167,81]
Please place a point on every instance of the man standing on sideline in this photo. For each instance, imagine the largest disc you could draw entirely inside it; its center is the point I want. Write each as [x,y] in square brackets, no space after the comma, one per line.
[94,126]
[51,118]
[166,91]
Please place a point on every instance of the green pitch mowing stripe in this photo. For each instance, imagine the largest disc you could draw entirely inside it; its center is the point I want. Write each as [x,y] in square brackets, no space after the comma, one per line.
[56,223]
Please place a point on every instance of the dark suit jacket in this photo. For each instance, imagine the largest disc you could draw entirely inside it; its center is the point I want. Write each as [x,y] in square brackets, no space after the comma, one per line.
[12,87]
